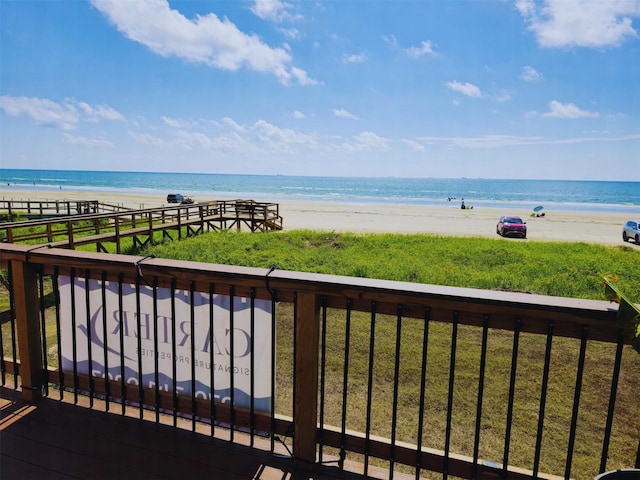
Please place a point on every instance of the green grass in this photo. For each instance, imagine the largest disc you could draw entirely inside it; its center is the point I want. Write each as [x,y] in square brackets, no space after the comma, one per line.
[549,268]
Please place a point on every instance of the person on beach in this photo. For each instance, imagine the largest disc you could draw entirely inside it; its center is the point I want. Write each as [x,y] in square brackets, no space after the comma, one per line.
[462,206]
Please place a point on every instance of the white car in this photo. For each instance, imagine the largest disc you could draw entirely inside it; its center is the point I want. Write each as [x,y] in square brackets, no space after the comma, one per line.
[631,231]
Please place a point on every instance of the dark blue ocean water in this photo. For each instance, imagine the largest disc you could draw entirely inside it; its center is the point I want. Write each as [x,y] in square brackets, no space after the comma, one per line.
[594,196]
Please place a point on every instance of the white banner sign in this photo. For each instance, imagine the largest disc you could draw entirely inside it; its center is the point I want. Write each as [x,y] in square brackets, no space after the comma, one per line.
[171,350]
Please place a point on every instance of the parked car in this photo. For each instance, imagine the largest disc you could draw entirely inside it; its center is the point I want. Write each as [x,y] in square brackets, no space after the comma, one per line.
[187,201]
[509,225]
[631,231]
[174,198]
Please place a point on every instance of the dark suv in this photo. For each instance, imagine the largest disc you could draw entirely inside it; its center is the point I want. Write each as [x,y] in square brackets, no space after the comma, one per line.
[174,198]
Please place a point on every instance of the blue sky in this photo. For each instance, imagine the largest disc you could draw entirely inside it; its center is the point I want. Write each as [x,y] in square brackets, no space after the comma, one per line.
[492,89]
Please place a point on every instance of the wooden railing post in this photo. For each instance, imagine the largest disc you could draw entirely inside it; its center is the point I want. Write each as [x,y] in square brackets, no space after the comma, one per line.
[117,230]
[25,292]
[306,380]
[70,234]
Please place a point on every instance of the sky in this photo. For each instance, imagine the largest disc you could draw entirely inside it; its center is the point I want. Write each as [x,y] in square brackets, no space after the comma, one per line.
[545,89]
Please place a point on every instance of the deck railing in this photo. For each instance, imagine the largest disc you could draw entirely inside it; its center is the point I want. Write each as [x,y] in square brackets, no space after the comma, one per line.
[51,208]
[399,375]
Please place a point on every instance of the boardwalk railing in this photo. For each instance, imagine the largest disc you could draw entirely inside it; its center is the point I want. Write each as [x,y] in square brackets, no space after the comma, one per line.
[52,208]
[389,374]
[140,225]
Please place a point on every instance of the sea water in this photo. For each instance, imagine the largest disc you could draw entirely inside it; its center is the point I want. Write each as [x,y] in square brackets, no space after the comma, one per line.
[572,195]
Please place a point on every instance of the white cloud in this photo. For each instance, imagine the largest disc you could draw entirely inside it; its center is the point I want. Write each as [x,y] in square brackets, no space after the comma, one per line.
[42,111]
[233,124]
[580,23]
[390,40]
[177,123]
[99,112]
[302,77]
[366,142]
[354,58]
[284,135]
[206,39]
[567,110]
[148,139]
[291,33]
[467,89]
[502,97]
[298,115]
[48,113]
[490,141]
[342,113]
[86,142]
[425,48]
[274,10]
[503,141]
[189,140]
[529,74]
[414,146]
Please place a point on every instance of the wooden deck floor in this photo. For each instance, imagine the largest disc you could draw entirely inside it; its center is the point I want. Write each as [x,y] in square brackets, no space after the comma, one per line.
[58,440]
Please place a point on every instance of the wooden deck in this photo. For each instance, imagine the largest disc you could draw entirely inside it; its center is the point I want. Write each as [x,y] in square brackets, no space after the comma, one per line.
[56,439]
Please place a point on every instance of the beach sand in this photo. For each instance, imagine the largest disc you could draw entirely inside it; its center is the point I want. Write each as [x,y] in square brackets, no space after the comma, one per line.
[450,220]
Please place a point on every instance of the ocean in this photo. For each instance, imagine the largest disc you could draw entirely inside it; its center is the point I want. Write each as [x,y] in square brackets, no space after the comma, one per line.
[571,195]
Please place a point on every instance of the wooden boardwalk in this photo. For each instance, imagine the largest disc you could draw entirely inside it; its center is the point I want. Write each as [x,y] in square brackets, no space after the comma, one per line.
[174,222]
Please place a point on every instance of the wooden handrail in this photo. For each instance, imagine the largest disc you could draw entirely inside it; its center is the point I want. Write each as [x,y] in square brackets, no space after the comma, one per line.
[570,314]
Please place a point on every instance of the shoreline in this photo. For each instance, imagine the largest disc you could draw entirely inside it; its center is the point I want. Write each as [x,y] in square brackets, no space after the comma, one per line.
[557,225]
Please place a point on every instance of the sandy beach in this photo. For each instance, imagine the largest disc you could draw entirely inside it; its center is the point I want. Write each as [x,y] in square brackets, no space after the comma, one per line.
[603,228]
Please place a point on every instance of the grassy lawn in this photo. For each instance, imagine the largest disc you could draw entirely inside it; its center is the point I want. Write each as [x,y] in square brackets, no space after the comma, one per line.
[566,269]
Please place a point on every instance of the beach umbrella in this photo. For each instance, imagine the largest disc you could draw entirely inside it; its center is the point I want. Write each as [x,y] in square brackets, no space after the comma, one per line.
[538,208]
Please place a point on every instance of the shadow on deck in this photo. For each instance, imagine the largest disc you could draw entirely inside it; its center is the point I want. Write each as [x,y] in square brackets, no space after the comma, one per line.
[56,439]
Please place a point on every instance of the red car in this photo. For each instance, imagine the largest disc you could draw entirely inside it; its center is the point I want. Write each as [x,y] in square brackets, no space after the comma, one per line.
[509,225]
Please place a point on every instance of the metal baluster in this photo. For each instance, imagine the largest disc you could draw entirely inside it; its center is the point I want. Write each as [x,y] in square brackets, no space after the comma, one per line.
[452,366]
[174,386]
[396,375]
[212,405]
[123,386]
[483,364]
[512,388]
[273,369]
[423,386]
[369,389]
[14,338]
[194,404]
[72,286]
[543,398]
[612,401]
[343,424]
[576,401]
[43,330]
[252,328]
[156,356]
[87,299]
[56,294]
[107,380]
[232,396]
[139,343]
